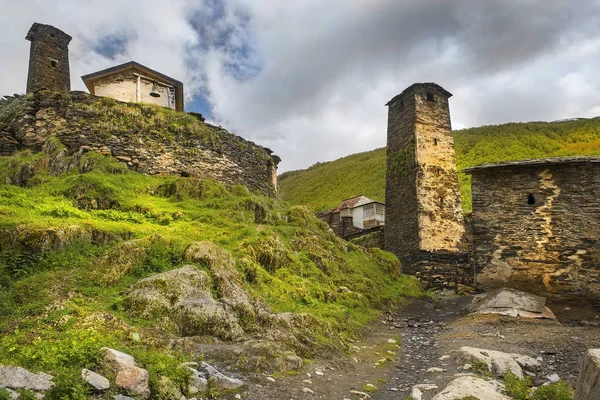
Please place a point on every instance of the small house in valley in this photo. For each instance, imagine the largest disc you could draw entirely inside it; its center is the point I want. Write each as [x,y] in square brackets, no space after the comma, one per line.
[354,215]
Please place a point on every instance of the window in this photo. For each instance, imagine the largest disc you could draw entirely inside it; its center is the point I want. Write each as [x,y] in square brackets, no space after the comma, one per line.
[53,63]
[435,141]
[379,209]
[530,199]
[429,96]
[369,210]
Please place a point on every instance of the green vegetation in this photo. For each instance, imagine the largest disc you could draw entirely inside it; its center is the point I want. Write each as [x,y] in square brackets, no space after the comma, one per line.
[65,264]
[520,389]
[324,185]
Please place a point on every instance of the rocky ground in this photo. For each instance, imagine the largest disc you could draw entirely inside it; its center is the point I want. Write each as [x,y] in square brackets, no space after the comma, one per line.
[427,332]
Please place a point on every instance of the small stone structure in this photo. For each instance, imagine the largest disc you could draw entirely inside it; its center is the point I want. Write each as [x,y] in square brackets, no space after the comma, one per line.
[134,82]
[536,226]
[424,222]
[588,387]
[48,59]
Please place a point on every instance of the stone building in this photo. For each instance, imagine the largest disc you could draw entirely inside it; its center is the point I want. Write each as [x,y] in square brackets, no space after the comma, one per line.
[134,82]
[536,226]
[424,223]
[48,59]
[355,215]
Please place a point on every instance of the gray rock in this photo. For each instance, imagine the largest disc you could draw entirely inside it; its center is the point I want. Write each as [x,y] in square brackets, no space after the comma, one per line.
[13,395]
[221,381]
[588,387]
[497,361]
[20,378]
[466,386]
[511,302]
[121,397]
[95,380]
[553,378]
[129,376]
[198,383]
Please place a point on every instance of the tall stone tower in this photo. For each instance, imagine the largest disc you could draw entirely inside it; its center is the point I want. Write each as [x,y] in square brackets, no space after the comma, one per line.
[424,221]
[48,59]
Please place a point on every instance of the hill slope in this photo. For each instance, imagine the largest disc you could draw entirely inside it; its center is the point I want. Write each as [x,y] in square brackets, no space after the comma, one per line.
[324,185]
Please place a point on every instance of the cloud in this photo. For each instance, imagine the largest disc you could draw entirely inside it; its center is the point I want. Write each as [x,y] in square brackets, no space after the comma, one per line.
[309,79]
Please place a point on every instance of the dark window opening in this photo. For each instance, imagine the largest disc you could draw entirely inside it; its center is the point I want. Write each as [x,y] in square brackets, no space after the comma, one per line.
[435,141]
[53,63]
[441,199]
[530,199]
[52,35]
[429,96]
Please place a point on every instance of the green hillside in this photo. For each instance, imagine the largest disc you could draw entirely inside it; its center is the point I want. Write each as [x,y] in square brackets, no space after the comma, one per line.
[323,185]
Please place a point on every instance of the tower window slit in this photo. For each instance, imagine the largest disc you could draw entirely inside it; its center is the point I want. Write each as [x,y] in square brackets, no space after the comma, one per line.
[429,96]
[530,199]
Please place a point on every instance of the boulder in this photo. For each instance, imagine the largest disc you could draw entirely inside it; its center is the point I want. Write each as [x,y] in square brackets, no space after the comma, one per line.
[184,295]
[129,376]
[588,387]
[220,380]
[167,389]
[97,381]
[511,302]
[197,383]
[479,388]
[497,361]
[19,378]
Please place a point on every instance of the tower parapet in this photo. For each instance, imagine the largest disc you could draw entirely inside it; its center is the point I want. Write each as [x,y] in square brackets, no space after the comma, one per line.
[48,59]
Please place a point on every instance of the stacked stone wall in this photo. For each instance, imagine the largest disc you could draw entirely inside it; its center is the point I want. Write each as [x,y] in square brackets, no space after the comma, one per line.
[48,59]
[537,228]
[191,149]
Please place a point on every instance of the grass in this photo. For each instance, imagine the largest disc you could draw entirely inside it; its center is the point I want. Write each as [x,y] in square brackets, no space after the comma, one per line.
[324,185]
[58,308]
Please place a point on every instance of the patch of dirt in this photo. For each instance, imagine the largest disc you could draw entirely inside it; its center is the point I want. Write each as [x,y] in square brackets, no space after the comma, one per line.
[428,330]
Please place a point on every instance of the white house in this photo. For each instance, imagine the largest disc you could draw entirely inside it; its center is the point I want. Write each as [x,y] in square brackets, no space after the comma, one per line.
[366,213]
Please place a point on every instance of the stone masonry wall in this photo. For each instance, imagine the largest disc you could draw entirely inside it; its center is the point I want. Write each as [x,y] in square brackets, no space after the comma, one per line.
[424,220]
[48,59]
[149,139]
[551,247]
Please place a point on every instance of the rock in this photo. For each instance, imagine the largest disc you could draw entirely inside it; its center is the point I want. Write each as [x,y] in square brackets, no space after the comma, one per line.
[553,378]
[497,361]
[444,357]
[476,387]
[392,341]
[97,381]
[360,394]
[167,389]
[197,383]
[416,394]
[119,261]
[129,376]
[289,362]
[435,370]
[270,379]
[307,390]
[511,302]
[220,380]
[19,378]
[529,363]
[121,397]
[184,294]
[12,394]
[588,387]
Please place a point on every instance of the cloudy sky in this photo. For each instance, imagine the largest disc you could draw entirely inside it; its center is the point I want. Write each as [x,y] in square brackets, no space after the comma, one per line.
[309,78]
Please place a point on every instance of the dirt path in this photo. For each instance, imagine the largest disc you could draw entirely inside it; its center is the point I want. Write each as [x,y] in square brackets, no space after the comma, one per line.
[426,331]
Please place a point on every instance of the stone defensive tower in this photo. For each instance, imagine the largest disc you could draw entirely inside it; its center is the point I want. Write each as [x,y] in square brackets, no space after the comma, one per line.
[424,221]
[48,59]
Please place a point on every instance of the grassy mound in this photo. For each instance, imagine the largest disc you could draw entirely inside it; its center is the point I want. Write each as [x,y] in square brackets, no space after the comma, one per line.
[73,243]
[324,185]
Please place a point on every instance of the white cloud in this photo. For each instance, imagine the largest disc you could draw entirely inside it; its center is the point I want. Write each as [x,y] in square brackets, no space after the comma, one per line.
[309,79]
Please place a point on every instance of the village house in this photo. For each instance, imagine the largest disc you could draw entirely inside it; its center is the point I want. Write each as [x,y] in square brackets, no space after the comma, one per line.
[134,82]
[354,215]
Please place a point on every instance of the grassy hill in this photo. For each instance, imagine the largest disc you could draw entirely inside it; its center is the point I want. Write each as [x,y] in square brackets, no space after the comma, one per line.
[323,185]
[79,234]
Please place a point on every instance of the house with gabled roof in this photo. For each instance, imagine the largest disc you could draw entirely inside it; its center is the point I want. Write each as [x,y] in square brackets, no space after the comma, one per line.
[354,215]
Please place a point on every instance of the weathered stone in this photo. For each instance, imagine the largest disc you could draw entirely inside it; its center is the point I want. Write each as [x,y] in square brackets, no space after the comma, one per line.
[220,380]
[184,295]
[288,363]
[49,59]
[95,380]
[588,387]
[497,361]
[465,386]
[536,227]
[198,383]
[424,220]
[19,378]
[129,376]
[508,298]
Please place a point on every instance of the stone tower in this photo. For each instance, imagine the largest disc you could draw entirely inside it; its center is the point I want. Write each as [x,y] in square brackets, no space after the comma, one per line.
[424,220]
[48,59]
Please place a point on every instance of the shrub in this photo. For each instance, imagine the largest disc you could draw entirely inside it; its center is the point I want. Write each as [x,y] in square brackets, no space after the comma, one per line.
[555,391]
[67,386]
[515,387]
[4,395]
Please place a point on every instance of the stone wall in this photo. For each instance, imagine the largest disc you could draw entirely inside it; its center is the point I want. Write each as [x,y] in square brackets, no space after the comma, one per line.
[536,227]
[123,87]
[423,209]
[48,59]
[149,139]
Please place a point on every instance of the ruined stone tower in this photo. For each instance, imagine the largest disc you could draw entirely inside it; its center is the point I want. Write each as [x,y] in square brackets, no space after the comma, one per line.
[48,59]
[424,222]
